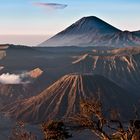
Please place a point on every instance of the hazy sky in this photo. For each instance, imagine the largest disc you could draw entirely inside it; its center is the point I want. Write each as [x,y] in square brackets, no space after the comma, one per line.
[47,17]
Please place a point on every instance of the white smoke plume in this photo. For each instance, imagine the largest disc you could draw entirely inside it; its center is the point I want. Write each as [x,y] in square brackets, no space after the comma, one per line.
[7,78]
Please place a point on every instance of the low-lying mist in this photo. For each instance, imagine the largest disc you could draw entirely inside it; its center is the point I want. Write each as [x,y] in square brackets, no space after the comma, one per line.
[7,78]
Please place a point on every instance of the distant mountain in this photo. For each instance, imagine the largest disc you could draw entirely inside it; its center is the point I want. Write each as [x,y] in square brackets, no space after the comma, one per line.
[62,99]
[92,31]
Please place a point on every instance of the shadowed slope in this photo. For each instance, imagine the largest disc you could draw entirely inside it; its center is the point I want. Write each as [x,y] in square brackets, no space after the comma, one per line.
[82,32]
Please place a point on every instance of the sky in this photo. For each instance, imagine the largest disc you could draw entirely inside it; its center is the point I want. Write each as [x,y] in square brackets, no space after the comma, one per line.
[28,19]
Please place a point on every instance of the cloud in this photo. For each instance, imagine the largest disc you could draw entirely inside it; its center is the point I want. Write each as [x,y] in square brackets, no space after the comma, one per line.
[52,6]
[7,78]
